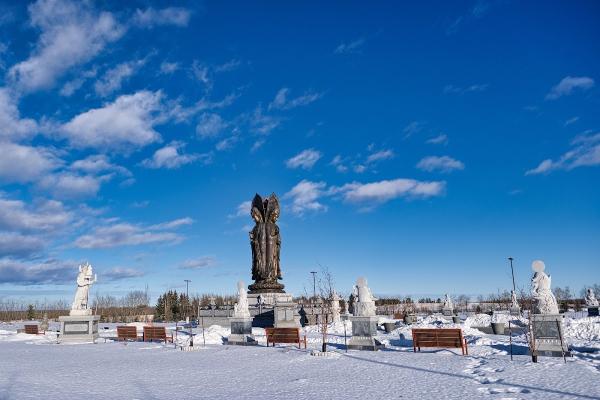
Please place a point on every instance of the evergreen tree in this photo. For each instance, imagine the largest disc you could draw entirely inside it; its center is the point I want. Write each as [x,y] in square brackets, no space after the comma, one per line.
[30,312]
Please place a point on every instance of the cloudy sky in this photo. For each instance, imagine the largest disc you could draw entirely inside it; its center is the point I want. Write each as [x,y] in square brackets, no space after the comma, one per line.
[417,145]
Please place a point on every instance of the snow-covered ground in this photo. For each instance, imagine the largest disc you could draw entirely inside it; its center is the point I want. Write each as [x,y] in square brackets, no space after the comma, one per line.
[34,367]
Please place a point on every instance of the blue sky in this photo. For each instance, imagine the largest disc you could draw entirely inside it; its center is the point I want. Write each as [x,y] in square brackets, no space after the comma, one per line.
[417,145]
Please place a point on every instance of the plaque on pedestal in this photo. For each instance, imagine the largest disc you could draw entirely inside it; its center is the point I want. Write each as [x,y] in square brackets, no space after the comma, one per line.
[241,332]
[364,330]
[547,336]
[286,315]
[78,328]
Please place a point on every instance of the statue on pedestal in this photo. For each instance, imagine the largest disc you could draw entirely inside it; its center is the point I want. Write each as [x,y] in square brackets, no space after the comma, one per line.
[265,242]
[335,307]
[240,309]
[590,298]
[364,304]
[448,302]
[540,290]
[85,279]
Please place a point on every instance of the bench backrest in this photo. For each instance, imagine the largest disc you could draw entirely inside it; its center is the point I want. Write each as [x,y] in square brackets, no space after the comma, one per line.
[437,337]
[128,332]
[31,329]
[283,334]
[155,332]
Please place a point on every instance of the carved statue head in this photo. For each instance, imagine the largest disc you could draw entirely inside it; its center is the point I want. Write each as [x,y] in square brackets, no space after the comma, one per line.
[86,269]
[272,208]
[257,211]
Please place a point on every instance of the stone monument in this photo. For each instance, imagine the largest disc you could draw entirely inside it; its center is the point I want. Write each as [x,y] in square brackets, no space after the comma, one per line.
[241,322]
[448,307]
[80,325]
[515,309]
[364,320]
[591,302]
[335,307]
[547,337]
[44,325]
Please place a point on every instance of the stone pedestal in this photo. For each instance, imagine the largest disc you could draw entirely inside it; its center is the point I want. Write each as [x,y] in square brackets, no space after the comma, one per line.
[547,331]
[78,328]
[592,311]
[447,312]
[515,311]
[268,299]
[364,330]
[286,315]
[241,332]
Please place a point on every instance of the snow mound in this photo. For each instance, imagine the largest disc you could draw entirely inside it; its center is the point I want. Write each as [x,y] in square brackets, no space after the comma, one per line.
[586,329]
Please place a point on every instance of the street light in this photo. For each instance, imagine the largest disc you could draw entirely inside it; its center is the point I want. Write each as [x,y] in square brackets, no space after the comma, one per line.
[187,295]
[314,274]
[513,273]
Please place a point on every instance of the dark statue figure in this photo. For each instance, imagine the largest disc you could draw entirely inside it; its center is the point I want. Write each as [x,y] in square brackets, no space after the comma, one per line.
[266,244]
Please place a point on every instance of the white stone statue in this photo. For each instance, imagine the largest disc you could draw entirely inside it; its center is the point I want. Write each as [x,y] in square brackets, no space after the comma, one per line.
[85,279]
[364,305]
[540,290]
[448,305]
[514,302]
[240,309]
[335,307]
[590,298]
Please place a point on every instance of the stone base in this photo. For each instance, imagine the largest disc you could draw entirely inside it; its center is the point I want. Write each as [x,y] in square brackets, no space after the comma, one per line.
[447,312]
[286,315]
[241,325]
[241,340]
[78,328]
[515,311]
[268,299]
[592,311]
[546,330]
[363,331]
[266,287]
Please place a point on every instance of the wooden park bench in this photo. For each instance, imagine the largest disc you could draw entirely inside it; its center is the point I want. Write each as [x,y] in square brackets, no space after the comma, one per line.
[443,338]
[157,333]
[126,333]
[32,330]
[284,335]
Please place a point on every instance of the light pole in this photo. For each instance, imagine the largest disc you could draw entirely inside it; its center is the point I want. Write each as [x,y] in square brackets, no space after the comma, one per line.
[314,274]
[187,295]
[513,273]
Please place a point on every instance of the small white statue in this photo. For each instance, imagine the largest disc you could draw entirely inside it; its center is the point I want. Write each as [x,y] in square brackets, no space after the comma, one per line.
[240,309]
[540,290]
[365,301]
[590,298]
[448,305]
[335,307]
[85,279]
[514,301]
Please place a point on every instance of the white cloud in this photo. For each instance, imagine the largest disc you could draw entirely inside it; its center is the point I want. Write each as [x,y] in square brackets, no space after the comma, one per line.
[263,124]
[339,163]
[126,234]
[97,163]
[23,164]
[176,223]
[442,164]
[152,17]
[439,139]
[569,84]
[210,125]
[305,159]
[350,47]
[282,102]
[203,74]
[199,263]
[11,124]
[412,128]
[67,185]
[126,123]
[228,66]
[36,273]
[571,121]
[18,245]
[70,87]
[72,33]
[380,156]
[386,190]
[305,197]
[167,68]
[242,210]
[112,79]
[119,273]
[41,216]
[451,89]
[584,152]
[170,157]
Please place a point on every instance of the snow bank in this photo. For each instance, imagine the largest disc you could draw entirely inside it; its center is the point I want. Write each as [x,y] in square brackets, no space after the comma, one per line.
[585,329]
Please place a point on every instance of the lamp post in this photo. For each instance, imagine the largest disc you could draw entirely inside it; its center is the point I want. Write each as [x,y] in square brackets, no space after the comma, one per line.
[513,273]
[187,295]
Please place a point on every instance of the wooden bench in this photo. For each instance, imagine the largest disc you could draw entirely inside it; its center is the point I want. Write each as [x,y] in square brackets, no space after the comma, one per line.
[284,335]
[443,338]
[126,333]
[157,333]
[33,330]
